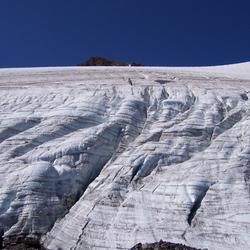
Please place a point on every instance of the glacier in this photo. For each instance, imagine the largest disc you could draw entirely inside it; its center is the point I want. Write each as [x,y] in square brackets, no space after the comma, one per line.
[107,157]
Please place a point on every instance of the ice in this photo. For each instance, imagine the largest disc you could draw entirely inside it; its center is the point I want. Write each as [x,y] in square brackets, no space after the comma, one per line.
[89,161]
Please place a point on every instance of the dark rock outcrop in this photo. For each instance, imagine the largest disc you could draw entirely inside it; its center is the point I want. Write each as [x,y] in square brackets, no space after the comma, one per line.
[23,246]
[102,61]
[162,245]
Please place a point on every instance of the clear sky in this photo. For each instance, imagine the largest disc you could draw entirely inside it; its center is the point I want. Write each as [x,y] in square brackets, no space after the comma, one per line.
[152,32]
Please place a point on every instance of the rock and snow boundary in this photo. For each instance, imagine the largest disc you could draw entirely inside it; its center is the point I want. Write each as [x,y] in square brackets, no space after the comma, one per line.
[106,157]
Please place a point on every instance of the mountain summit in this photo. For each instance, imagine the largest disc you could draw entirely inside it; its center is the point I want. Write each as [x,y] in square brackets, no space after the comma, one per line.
[103,61]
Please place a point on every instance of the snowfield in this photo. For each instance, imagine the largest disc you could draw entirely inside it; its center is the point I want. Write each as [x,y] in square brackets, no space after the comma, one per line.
[106,157]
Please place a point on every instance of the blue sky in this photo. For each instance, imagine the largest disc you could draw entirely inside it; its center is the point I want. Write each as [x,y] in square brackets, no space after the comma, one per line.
[152,32]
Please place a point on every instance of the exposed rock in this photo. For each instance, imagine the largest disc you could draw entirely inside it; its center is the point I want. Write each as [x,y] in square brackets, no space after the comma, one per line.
[22,246]
[22,243]
[161,245]
[102,61]
[90,161]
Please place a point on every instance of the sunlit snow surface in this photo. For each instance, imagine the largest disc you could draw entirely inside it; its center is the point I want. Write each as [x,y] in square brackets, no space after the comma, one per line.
[89,161]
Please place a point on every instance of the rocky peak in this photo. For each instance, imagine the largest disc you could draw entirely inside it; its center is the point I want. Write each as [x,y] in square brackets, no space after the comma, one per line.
[103,61]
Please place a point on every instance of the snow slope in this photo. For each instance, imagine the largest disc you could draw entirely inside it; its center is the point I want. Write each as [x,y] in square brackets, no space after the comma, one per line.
[88,161]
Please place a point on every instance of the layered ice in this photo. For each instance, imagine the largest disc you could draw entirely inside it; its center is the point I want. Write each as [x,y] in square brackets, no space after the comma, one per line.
[106,157]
